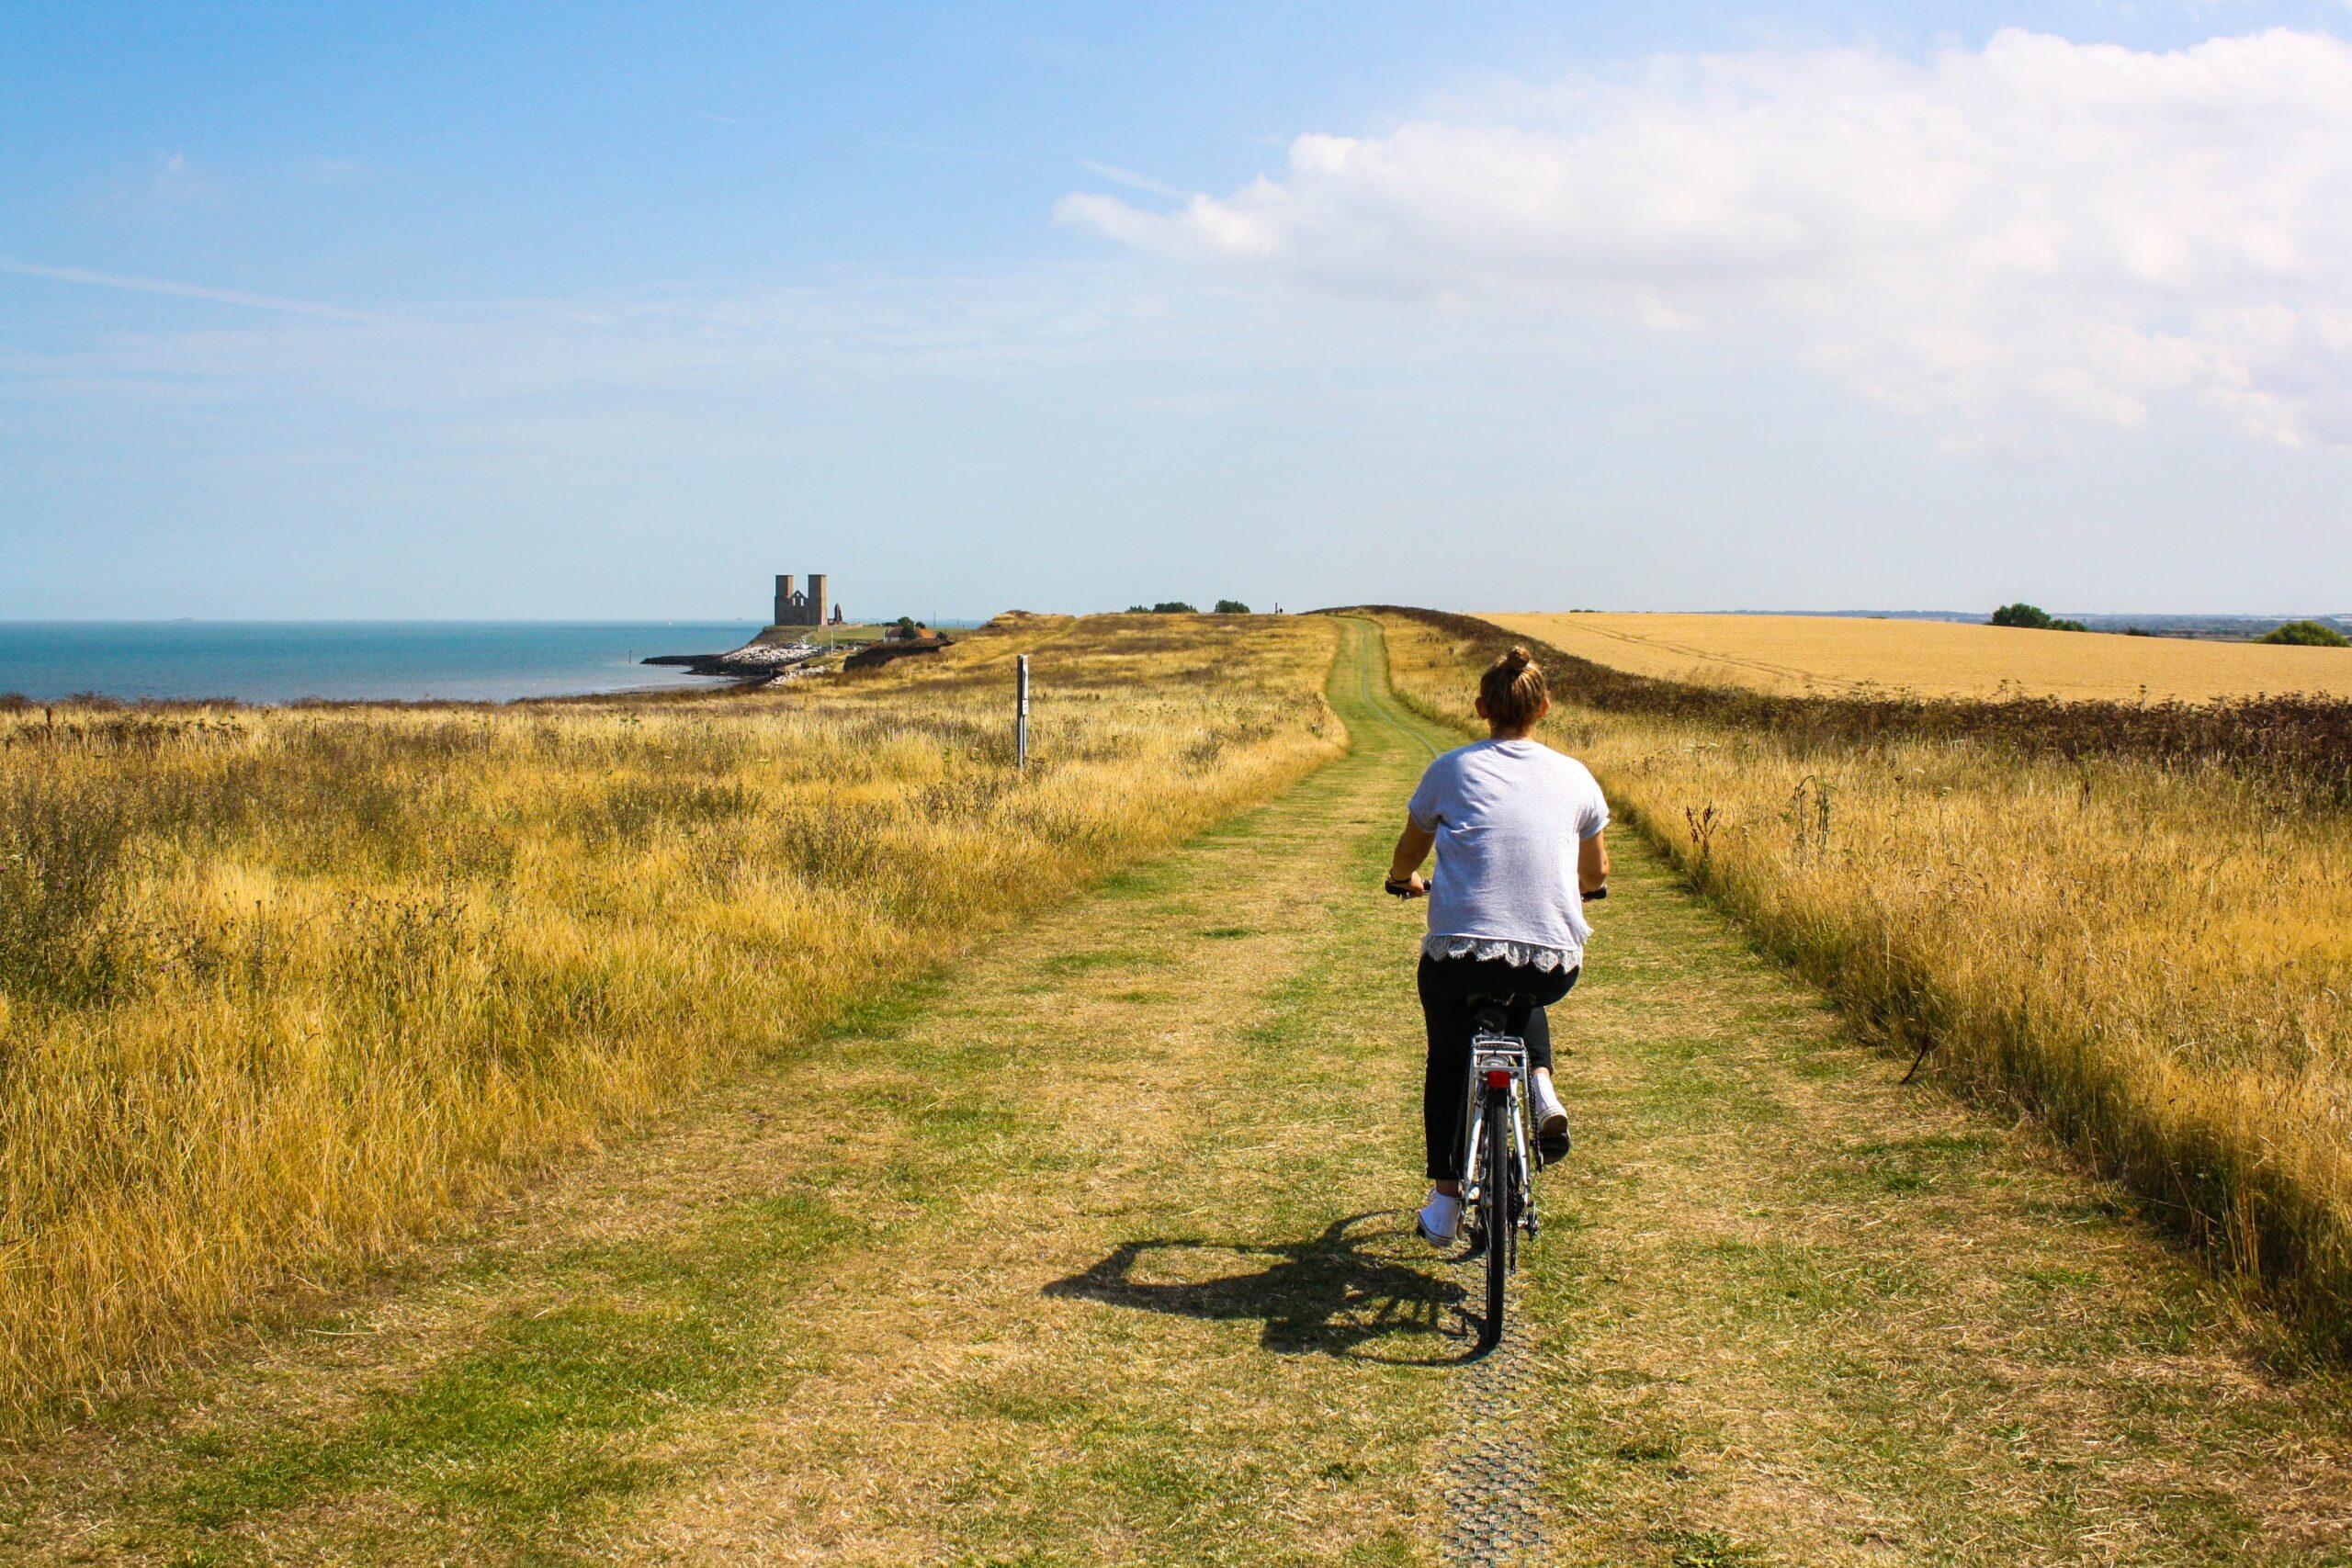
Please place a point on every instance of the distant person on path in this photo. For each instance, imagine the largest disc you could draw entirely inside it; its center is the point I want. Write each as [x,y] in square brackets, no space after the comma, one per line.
[1517,831]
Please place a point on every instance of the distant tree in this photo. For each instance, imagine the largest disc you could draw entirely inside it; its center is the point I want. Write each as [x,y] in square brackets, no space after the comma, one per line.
[1231,607]
[2024,615]
[2306,634]
[1139,609]
[2137,631]
[904,627]
[1174,607]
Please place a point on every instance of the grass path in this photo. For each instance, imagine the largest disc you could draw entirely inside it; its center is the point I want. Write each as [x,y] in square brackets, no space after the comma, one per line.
[1094,1251]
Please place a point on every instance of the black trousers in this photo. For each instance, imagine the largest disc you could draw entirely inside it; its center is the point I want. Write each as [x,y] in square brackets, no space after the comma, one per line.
[1446,985]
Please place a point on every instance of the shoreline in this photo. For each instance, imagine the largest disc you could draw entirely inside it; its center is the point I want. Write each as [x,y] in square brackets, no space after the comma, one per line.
[281,665]
[786,653]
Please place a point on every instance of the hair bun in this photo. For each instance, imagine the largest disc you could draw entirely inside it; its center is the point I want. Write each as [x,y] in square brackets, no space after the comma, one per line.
[1512,694]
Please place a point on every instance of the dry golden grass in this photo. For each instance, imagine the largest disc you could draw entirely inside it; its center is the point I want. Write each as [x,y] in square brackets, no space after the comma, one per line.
[1839,654]
[2156,963]
[881,1301]
[850,1309]
[280,989]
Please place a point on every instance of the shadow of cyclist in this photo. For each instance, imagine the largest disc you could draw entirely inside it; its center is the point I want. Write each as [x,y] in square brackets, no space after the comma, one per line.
[1340,1293]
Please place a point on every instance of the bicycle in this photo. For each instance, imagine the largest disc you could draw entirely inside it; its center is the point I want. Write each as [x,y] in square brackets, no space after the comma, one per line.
[1499,1158]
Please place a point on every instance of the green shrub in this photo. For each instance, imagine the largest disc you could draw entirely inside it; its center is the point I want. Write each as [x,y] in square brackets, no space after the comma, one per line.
[2024,615]
[1231,607]
[2306,634]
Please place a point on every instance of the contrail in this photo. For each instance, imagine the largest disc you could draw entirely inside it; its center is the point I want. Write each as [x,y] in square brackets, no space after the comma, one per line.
[185,291]
[1129,178]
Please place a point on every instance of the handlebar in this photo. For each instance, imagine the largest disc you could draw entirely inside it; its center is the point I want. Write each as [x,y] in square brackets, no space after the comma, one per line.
[1407,890]
[1403,890]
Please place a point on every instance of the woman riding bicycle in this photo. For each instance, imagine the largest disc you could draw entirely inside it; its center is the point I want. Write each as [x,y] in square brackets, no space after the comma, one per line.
[1517,828]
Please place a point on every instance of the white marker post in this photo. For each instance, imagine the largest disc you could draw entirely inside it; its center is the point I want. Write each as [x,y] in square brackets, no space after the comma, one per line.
[1021,719]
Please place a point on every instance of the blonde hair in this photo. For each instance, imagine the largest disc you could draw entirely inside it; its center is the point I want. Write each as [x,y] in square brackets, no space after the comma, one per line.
[1514,691]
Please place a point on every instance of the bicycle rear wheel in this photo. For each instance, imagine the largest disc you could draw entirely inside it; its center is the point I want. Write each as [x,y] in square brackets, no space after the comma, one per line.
[1498,1211]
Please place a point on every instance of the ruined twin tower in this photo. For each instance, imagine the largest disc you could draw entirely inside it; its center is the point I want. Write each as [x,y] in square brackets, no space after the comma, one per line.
[810,609]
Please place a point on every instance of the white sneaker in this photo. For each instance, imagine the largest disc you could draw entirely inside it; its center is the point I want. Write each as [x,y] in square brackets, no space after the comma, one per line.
[1551,1116]
[1441,1219]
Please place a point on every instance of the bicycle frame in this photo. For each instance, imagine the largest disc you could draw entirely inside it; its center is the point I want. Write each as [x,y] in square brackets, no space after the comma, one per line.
[1497,1062]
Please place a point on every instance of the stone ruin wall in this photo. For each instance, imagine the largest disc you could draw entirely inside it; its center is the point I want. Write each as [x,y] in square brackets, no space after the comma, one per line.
[794,608]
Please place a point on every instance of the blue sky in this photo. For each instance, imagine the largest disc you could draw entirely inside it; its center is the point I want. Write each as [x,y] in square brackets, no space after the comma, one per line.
[587,310]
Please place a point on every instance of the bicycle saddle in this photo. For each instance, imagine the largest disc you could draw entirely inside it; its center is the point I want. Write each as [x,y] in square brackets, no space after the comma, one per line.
[1492,1013]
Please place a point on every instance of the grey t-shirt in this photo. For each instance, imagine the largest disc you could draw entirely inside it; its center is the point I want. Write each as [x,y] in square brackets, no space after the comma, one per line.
[1509,816]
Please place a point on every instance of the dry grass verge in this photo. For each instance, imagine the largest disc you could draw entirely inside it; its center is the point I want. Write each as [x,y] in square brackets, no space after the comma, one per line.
[2295,752]
[280,989]
[2152,960]
[1854,654]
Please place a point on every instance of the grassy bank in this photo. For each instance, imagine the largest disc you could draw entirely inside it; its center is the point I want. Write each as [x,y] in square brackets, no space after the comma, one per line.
[2152,958]
[278,989]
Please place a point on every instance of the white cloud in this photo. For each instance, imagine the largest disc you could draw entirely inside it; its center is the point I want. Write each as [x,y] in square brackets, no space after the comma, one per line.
[447,360]
[341,174]
[2039,230]
[179,181]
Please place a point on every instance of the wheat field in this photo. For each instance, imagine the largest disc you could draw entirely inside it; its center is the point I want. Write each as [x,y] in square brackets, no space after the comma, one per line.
[1837,655]
[282,990]
[2156,962]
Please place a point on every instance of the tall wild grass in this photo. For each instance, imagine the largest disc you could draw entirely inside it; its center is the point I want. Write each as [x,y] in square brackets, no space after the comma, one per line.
[2151,953]
[279,989]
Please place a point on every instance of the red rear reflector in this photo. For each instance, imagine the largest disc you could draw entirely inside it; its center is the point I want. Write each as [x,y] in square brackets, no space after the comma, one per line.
[1498,1078]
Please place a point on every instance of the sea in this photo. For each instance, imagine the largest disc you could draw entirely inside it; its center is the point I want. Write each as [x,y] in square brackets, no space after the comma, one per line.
[285,661]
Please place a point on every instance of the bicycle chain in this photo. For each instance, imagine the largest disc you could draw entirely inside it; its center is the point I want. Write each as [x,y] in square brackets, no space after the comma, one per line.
[1494,1518]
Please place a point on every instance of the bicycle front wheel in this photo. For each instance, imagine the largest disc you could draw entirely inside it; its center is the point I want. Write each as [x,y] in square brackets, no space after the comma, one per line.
[1498,1211]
